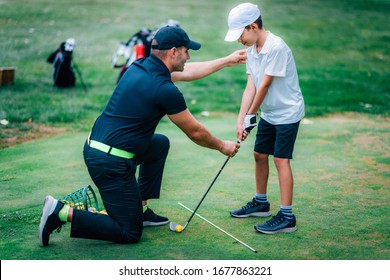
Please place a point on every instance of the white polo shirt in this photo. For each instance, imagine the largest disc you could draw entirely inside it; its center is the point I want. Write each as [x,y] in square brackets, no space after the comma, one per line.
[283,103]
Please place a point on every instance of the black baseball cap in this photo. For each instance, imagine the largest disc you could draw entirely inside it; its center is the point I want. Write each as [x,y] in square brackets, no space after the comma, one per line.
[169,37]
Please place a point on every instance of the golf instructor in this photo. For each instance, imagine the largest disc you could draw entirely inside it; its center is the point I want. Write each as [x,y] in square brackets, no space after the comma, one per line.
[123,137]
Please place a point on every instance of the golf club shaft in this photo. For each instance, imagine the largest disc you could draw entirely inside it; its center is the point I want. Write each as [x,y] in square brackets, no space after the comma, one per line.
[80,77]
[214,225]
[200,202]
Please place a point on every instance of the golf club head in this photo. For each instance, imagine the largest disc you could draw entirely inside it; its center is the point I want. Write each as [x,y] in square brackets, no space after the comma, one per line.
[172,226]
[177,227]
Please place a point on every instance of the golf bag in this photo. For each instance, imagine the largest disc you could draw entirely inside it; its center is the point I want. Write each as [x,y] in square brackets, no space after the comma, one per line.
[61,59]
[138,46]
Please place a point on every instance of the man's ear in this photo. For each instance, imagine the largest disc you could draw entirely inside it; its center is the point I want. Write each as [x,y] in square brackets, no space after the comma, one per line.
[173,51]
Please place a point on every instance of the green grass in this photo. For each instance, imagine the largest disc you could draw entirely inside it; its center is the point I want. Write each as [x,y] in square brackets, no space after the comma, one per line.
[342,178]
[341,162]
[340,47]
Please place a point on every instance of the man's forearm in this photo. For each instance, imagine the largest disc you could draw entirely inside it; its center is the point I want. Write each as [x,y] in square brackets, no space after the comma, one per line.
[198,70]
[204,138]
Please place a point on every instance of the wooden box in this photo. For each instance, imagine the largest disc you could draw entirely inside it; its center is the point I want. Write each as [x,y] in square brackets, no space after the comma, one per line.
[7,75]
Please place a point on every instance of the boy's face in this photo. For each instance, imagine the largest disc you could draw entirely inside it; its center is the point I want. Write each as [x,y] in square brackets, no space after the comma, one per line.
[248,37]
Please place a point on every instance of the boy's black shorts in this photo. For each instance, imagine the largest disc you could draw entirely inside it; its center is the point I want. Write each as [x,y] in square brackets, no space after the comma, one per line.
[277,140]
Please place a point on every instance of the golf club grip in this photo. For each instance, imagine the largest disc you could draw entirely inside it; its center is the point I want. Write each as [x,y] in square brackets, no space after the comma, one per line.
[209,188]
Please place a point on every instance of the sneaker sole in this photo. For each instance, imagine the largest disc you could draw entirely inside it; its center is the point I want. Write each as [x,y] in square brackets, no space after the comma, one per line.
[154,224]
[254,214]
[290,229]
[49,206]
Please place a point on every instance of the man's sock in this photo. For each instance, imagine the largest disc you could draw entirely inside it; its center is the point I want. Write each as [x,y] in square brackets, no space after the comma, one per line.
[287,211]
[63,214]
[144,208]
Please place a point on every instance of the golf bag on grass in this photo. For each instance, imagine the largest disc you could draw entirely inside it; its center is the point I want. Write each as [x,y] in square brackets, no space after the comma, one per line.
[138,46]
[61,59]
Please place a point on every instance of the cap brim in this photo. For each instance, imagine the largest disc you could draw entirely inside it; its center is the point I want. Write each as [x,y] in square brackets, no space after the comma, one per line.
[193,45]
[234,34]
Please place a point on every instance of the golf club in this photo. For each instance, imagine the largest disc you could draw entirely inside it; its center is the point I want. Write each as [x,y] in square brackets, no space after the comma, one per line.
[178,228]
[80,77]
[214,225]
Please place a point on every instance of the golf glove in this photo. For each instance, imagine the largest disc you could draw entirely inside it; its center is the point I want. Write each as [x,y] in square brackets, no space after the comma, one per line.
[250,122]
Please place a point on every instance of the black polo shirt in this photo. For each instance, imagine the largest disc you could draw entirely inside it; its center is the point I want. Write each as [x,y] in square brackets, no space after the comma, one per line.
[142,97]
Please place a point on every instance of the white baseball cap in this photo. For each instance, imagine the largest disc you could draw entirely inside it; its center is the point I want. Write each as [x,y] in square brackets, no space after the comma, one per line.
[240,17]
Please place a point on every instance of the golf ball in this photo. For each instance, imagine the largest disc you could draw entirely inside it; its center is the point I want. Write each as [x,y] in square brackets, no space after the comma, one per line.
[178,228]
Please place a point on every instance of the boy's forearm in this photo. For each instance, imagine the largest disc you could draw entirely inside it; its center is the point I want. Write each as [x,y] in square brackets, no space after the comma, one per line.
[260,94]
[246,102]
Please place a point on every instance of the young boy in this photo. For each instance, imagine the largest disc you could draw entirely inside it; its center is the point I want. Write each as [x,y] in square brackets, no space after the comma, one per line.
[272,86]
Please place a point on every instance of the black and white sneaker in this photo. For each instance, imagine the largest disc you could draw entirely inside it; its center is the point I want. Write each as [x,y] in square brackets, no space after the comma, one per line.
[151,219]
[252,209]
[49,219]
[278,223]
